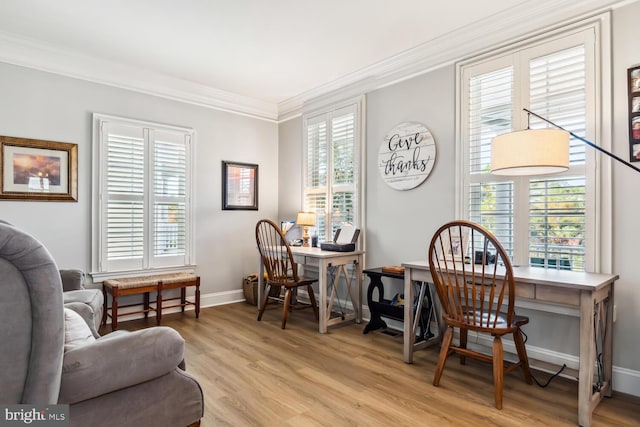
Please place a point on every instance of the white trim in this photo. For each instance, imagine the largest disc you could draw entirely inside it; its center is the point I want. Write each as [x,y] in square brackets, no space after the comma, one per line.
[25,52]
[623,380]
[101,269]
[501,29]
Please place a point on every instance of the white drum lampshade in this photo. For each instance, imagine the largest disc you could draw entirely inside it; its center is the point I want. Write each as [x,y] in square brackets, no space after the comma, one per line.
[530,152]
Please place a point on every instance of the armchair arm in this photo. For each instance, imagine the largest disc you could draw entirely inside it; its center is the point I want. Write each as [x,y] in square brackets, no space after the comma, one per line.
[122,360]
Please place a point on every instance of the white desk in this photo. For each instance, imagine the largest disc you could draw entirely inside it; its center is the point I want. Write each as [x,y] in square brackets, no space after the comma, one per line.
[590,293]
[323,260]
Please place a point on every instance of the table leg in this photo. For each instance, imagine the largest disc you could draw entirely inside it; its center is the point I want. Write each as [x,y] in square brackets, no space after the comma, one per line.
[159,304]
[607,346]
[260,283]
[146,305]
[198,297]
[358,302]
[104,306]
[322,284]
[409,337]
[587,358]
[114,308]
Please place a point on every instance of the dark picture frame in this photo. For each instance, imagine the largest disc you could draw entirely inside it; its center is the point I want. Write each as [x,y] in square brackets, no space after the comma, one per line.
[38,170]
[239,186]
[633,84]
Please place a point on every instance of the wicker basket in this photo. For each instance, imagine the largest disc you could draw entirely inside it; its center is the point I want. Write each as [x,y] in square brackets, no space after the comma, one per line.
[250,289]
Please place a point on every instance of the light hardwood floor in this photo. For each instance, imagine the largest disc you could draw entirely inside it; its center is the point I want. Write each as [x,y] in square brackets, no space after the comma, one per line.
[255,374]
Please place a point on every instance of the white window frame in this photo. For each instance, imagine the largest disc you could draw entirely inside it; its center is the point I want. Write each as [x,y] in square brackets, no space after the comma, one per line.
[150,263]
[311,116]
[597,168]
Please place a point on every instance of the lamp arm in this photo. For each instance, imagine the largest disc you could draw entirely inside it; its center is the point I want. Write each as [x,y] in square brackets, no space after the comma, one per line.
[586,141]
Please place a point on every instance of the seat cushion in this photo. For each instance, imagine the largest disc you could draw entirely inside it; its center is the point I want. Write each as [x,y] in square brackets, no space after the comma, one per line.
[76,331]
[92,298]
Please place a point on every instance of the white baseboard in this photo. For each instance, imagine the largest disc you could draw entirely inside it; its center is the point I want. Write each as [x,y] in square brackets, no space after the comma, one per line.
[624,380]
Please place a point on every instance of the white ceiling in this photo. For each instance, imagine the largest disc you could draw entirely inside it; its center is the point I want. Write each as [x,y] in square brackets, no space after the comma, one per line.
[266,50]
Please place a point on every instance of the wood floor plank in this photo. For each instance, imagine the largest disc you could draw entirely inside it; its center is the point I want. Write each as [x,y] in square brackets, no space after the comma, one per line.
[256,374]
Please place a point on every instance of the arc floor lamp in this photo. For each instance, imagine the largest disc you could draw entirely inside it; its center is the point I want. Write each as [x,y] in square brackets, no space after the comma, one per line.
[537,151]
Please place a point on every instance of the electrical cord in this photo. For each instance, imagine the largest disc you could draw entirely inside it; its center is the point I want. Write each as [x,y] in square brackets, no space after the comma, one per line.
[552,376]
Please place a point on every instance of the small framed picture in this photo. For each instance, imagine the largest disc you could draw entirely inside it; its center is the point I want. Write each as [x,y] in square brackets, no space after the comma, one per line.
[38,170]
[239,186]
[455,245]
[633,78]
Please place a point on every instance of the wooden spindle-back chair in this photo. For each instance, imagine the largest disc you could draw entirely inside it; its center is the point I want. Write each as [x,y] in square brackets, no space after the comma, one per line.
[281,270]
[473,277]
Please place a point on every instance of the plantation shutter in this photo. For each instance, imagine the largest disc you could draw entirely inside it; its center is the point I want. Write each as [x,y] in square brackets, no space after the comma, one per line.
[331,169]
[125,185]
[540,220]
[491,201]
[315,191]
[169,196]
[343,183]
[144,202]
[557,205]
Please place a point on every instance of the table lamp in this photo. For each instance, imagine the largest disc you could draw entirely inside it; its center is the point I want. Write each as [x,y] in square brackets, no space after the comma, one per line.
[537,151]
[306,220]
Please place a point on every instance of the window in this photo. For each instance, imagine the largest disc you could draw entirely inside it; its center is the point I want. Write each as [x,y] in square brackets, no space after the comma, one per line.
[143,215]
[331,180]
[546,220]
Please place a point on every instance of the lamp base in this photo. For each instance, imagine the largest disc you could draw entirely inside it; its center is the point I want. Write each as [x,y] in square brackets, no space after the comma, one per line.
[305,236]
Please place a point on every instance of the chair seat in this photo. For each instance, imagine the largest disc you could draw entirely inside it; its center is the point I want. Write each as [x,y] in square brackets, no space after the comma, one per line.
[292,283]
[502,323]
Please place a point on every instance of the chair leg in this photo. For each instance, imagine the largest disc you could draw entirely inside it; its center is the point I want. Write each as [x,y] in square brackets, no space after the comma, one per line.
[312,299]
[444,352]
[263,303]
[498,370]
[463,344]
[522,355]
[285,309]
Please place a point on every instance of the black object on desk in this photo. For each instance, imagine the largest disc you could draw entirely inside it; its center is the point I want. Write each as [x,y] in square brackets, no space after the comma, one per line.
[384,308]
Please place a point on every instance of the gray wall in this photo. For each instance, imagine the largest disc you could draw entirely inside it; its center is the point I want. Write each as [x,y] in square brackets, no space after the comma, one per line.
[289,178]
[399,224]
[626,200]
[41,105]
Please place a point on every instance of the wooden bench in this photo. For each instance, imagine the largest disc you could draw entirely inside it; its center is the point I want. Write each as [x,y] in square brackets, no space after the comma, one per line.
[145,285]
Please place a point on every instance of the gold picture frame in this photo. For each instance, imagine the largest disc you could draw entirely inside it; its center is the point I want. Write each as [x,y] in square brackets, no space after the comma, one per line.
[38,170]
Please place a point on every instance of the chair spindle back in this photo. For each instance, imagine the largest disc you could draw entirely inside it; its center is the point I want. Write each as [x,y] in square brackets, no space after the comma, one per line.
[473,276]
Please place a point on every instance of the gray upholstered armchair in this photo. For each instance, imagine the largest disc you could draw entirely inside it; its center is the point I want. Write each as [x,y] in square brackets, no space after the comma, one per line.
[88,302]
[49,355]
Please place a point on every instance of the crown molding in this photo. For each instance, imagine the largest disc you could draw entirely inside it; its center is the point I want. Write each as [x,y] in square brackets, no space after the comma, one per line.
[507,26]
[40,56]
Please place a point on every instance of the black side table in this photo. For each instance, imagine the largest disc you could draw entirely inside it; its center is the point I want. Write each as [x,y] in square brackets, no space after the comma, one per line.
[383,308]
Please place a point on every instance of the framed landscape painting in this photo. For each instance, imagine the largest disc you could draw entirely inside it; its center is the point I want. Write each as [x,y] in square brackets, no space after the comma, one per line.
[33,169]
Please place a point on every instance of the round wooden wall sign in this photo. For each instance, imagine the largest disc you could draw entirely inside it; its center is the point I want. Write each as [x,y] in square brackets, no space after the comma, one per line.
[407,156]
